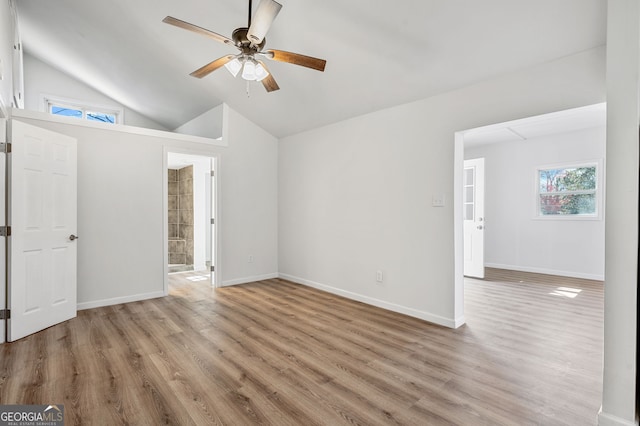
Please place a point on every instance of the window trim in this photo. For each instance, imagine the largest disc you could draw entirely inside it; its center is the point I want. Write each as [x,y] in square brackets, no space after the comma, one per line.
[48,101]
[599,191]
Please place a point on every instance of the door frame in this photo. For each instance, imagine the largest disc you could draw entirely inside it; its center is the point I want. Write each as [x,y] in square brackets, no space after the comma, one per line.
[458,229]
[215,243]
[4,243]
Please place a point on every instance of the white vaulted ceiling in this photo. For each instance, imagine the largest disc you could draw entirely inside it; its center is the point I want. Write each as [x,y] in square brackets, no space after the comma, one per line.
[379,54]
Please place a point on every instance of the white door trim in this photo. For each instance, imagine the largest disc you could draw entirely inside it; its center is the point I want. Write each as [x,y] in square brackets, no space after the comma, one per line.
[3,222]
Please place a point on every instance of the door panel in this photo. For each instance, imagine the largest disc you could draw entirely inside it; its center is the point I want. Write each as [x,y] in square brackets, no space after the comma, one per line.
[473,204]
[42,215]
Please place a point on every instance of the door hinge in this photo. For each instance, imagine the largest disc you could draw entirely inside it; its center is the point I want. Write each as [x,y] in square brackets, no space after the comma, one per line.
[213,221]
[213,173]
[5,147]
[213,268]
[5,314]
[5,231]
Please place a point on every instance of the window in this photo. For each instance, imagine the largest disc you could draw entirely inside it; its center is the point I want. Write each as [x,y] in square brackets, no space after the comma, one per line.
[77,109]
[468,201]
[568,191]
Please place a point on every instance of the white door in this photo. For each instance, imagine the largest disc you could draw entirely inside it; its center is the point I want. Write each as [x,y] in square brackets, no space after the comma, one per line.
[43,220]
[212,211]
[473,203]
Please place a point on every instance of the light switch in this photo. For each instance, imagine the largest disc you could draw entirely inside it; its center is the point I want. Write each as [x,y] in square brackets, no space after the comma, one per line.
[437,200]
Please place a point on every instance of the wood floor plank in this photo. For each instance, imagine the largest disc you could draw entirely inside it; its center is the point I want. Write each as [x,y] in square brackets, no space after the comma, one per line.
[278,353]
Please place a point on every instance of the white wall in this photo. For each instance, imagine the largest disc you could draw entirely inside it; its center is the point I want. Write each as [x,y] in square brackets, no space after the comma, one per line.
[120,206]
[207,125]
[619,396]
[251,227]
[41,79]
[6,54]
[355,196]
[514,238]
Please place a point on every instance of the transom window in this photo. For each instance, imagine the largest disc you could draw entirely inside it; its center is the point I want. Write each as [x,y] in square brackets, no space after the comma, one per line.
[68,108]
[570,191]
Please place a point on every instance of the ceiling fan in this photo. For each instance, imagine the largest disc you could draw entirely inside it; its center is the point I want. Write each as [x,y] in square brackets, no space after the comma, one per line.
[250,41]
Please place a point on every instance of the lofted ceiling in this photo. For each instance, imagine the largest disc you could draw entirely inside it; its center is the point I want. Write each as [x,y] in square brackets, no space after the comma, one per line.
[379,54]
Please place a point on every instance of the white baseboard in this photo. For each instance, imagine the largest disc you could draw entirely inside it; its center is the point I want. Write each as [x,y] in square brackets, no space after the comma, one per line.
[571,274]
[246,280]
[436,319]
[460,321]
[118,300]
[605,419]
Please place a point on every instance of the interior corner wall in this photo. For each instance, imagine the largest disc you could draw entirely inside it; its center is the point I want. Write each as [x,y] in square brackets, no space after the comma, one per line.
[356,196]
[250,224]
[515,239]
[42,79]
[120,257]
[207,125]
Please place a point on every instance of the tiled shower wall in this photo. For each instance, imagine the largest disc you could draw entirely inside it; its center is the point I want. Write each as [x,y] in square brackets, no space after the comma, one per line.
[185,208]
[181,216]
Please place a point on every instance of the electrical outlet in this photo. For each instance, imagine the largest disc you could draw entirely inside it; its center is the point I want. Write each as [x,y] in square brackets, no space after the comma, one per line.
[379,276]
[250,258]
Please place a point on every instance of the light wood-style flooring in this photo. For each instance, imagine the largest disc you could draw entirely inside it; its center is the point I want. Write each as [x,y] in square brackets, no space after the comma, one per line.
[278,353]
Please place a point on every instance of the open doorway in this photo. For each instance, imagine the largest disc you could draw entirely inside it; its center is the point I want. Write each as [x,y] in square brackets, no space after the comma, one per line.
[523,232]
[191,207]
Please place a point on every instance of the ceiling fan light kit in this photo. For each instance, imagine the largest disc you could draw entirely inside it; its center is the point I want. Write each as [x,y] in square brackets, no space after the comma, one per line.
[234,66]
[250,41]
[251,69]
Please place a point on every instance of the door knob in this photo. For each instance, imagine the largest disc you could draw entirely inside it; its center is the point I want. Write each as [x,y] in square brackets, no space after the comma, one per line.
[479,227]
[72,237]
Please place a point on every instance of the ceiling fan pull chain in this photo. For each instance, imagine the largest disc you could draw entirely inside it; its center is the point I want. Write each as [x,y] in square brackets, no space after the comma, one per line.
[248,95]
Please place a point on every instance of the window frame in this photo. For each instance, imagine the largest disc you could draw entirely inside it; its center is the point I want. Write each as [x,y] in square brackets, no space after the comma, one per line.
[598,191]
[48,102]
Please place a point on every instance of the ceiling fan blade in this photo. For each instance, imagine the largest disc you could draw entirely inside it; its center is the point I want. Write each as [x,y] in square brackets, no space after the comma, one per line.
[196,29]
[269,82]
[211,66]
[265,14]
[297,59]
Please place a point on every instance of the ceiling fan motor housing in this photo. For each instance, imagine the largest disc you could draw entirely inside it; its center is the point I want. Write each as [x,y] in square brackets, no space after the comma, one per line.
[243,43]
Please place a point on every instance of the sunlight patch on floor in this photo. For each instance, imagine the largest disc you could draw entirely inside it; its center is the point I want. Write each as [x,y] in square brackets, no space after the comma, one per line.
[199,278]
[566,292]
